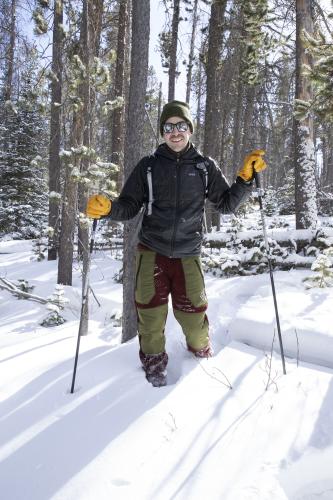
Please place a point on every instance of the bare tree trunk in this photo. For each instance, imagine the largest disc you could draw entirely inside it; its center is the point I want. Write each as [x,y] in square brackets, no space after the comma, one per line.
[191,54]
[173,50]
[213,113]
[55,131]
[91,34]
[159,108]
[92,18]
[117,134]
[200,84]
[237,126]
[133,150]
[81,134]
[248,133]
[305,185]
[69,209]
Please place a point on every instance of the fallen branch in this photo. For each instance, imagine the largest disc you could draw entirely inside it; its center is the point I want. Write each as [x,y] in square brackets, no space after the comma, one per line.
[12,288]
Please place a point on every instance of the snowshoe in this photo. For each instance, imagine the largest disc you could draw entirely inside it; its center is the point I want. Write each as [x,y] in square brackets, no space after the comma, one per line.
[157,379]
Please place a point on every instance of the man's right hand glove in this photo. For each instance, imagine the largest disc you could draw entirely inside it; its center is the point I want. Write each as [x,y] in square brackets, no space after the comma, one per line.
[98,206]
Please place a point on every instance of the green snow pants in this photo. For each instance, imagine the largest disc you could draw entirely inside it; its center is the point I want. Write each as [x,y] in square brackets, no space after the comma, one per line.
[158,276]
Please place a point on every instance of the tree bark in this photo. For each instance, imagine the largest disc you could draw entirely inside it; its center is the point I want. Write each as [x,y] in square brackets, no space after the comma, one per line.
[191,53]
[159,110]
[69,209]
[91,35]
[81,134]
[117,134]
[305,185]
[173,50]
[55,130]
[213,112]
[133,150]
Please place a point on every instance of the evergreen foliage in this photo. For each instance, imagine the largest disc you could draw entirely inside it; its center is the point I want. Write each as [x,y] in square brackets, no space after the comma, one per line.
[54,318]
[23,193]
[322,267]
[322,51]
[255,39]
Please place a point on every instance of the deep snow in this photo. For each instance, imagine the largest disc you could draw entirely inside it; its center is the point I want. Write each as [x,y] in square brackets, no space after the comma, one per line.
[119,438]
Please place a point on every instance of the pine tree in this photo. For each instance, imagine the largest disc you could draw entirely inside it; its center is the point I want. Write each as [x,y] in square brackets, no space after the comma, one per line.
[322,267]
[23,193]
[305,185]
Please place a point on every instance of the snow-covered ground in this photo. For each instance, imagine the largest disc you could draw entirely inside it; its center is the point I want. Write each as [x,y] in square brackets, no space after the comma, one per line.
[117,437]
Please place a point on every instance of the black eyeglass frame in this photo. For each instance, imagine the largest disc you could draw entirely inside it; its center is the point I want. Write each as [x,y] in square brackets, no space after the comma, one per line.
[180,126]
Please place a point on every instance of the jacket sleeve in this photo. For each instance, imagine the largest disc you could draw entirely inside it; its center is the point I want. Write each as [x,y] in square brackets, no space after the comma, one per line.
[133,194]
[224,197]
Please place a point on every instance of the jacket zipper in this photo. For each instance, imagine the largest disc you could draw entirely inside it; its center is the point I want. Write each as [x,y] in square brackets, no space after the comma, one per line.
[176,211]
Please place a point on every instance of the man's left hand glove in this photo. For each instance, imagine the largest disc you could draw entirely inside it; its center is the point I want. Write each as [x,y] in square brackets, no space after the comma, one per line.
[253,161]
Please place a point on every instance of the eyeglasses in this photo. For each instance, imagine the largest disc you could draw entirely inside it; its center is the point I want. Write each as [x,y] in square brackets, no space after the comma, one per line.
[170,127]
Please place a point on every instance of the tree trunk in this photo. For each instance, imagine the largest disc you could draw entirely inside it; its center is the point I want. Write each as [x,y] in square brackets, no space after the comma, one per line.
[80,132]
[133,150]
[55,130]
[191,54]
[248,133]
[237,125]
[117,134]
[91,35]
[212,112]
[305,185]
[199,86]
[173,50]
[159,110]
[69,208]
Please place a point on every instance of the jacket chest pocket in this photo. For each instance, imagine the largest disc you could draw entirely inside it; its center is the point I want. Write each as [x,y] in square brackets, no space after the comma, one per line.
[164,187]
[192,185]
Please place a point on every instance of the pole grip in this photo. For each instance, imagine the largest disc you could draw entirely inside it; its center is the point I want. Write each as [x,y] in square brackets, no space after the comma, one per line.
[91,247]
[257,179]
[258,186]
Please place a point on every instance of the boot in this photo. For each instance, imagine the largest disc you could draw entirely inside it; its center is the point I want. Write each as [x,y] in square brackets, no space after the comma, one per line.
[155,367]
[204,352]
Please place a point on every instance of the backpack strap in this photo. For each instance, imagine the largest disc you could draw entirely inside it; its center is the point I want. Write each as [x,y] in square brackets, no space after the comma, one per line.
[150,163]
[203,167]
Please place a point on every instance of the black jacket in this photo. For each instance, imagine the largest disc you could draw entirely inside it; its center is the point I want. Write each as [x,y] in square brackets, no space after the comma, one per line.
[175,226]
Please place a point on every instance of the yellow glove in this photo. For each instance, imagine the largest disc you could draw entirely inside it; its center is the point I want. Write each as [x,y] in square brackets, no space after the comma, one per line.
[253,161]
[98,206]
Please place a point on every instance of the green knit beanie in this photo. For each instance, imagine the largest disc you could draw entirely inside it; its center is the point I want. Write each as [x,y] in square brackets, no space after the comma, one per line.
[176,108]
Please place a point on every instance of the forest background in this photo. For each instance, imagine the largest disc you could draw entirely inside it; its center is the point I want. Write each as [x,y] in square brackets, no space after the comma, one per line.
[80,101]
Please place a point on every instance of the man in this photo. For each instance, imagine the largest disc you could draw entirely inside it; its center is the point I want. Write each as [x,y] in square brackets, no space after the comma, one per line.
[172,186]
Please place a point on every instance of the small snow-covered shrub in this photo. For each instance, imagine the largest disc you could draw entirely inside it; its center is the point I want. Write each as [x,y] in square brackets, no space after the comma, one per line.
[322,267]
[54,317]
[24,286]
[118,276]
[116,318]
[55,306]
[39,248]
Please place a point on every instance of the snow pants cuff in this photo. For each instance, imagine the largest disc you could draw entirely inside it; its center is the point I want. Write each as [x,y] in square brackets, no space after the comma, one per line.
[195,327]
[153,364]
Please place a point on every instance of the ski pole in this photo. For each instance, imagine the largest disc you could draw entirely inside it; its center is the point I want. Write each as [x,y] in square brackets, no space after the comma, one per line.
[259,191]
[85,292]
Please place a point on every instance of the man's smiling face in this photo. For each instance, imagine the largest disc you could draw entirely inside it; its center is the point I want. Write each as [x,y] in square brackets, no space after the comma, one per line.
[176,140]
